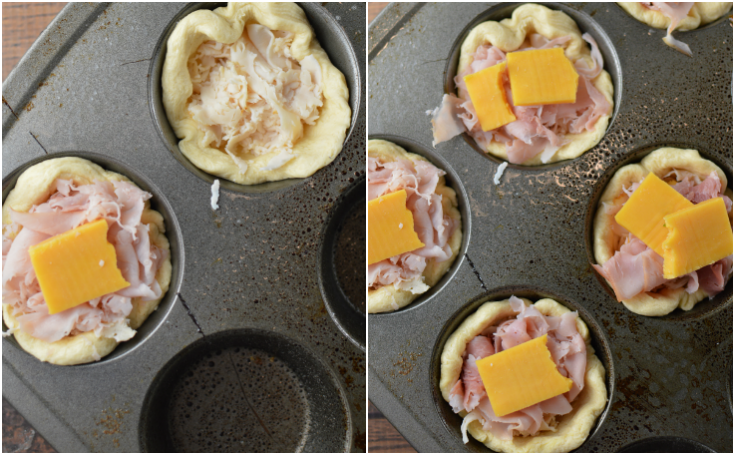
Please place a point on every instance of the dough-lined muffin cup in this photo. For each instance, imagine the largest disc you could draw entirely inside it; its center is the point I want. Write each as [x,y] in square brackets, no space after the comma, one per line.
[382,300]
[508,35]
[606,242]
[320,143]
[573,428]
[34,186]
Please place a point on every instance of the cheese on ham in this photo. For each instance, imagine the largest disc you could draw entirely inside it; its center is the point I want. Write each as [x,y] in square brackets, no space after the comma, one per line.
[121,204]
[433,227]
[636,268]
[568,350]
[251,97]
[538,129]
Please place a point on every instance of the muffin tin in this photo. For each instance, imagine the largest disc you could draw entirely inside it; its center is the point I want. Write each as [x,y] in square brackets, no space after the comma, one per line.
[245,325]
[668,378]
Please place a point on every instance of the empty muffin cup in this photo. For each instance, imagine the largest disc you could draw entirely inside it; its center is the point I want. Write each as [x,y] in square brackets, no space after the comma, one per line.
[342,263]
[245,390]
[666,444]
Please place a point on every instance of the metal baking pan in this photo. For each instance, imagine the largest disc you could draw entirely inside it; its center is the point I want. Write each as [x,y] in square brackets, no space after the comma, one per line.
[668,378]
[242,354]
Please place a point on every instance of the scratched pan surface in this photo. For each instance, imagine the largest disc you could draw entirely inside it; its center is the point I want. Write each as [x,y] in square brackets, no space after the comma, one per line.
[668,378]
[242,354]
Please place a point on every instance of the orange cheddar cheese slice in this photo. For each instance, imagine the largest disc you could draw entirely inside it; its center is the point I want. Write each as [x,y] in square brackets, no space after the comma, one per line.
[697,236]
[521,376]
[390,227]
[542,76]
[76,266]
[643,214]
[488,97]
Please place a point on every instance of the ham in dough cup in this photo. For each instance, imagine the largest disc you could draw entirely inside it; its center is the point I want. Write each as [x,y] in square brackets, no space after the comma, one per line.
[633,269]
[540,134]
[395,282]
[676,16]
[558,424]
[252,95]
[54,197]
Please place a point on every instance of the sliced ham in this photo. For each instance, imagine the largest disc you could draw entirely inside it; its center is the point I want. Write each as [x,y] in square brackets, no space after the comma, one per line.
[636,268]
[633,269]
[121,204]
[568,351]
[676,12]
[537,129]
[432,225]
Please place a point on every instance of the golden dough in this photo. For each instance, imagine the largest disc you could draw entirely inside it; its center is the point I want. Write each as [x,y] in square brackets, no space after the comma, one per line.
[509,34]
[35,186]
[321,142]
[607,242]
[702,13]
[386,298]
[573,428]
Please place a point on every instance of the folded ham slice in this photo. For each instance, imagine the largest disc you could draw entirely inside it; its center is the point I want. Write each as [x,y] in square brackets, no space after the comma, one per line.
[121,204]
[568,351]
[433,227]
[537,129]
[676,11]
[636,268]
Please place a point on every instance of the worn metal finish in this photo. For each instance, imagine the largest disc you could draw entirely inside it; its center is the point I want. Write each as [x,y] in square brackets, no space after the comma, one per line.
[243,274]
[531,234]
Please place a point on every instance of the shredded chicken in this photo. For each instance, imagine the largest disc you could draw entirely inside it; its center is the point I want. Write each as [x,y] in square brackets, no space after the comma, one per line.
[252,97]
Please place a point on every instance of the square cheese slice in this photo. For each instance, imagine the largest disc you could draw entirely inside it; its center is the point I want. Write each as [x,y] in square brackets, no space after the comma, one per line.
[643,214]
[698,236]
[390,227]
[542,76]
[487,92]
[521,376]
[76,266]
